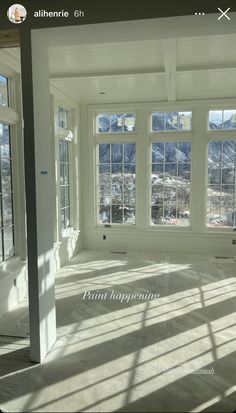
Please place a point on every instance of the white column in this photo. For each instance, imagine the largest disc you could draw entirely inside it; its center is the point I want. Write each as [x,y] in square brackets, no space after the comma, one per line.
[42,285]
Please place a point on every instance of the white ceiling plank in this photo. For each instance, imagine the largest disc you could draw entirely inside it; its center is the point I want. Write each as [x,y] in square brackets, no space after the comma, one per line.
[115,73]
[207,68]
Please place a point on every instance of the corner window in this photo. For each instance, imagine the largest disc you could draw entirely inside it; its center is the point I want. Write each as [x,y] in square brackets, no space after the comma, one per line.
[7,249]
[4,98]
[63,118]
[65,207]
[221,205]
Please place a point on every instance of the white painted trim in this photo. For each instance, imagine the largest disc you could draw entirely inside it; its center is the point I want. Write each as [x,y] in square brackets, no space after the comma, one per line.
[8,115]
[63,94]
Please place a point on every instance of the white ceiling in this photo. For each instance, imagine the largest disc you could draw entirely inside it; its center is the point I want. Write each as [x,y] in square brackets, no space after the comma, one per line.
[106,57]
[206,50]
[157,68]
[199,68]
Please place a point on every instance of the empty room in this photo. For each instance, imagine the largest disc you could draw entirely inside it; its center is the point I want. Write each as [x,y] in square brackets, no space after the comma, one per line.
[118,212]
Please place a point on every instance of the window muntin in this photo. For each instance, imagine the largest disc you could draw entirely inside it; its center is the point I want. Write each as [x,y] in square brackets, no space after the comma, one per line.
[4,96]
[64,184]
[63,118]
[116,183]
[221,205]
[171,183]
[222,119]
[171,121]
[115,123]
[7,249]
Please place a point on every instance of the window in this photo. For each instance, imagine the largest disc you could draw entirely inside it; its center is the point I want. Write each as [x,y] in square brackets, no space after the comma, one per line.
[3,91]
[6,195]
[116,183]
[222,119]
[63,120]
[171,121]
[115,123]
[221,207]
[170,183]
[64,184]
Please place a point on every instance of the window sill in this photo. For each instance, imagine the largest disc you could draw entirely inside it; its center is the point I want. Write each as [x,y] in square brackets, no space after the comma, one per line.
[169,228]
[226,231]
[10,266]
[69,232]
[117,226]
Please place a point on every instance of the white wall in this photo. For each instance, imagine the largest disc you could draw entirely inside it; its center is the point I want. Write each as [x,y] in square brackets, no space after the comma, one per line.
[13,285]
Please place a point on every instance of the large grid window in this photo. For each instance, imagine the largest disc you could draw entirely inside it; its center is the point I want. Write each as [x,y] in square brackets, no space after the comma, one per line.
[7,249]
[115,123]
[116,183]
[221,206]
[171,183]
[4,100]
[64,184]
[171,121]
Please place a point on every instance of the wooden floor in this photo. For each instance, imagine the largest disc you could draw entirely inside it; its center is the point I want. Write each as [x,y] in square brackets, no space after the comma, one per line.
[14,354]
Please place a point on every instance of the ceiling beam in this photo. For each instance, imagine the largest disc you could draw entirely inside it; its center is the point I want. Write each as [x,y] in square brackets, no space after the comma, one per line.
[146,71]
[170,59]
[116,73]
[206,67]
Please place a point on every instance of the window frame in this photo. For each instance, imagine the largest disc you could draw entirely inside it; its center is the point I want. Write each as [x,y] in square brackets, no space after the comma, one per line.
[182,227]
[112,112]
[97,176]
[11,194]
[8,91]
[143,137]
[170,136]
[218,135]
[71,136]
[12,116]
[222,109]
[68,162]
[169,110]
[109,138]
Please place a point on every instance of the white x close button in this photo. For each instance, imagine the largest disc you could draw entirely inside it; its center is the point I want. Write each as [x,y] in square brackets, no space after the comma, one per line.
[224,13]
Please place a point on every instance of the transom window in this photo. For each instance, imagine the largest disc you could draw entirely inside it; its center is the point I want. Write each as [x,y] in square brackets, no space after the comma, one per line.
[4,100]
[222,119]
[64,183]
[221,206]
[116,183]
[7,249]
[171,183]
[115,123]
[63,118]
[171,121]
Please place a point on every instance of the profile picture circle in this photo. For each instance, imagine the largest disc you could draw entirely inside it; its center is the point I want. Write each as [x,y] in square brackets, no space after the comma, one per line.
[17,13]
